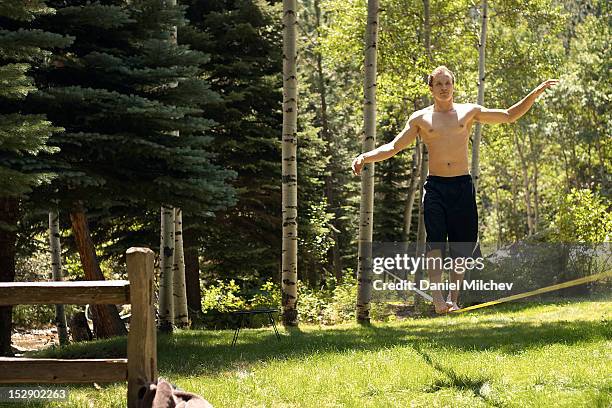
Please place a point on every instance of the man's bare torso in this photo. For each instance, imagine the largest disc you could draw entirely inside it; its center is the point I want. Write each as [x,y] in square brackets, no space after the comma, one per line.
[446,135]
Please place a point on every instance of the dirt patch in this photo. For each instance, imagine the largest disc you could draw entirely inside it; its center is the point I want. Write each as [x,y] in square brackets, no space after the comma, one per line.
[33,339]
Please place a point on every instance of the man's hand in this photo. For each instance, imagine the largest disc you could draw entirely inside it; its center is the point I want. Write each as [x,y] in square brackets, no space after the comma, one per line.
[357,165]
[544,86]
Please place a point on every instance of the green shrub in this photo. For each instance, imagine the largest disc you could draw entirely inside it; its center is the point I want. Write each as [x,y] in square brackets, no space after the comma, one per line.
[222,297]
[218,302]
[583,216]
[268,296]
[332,304]
[33,316]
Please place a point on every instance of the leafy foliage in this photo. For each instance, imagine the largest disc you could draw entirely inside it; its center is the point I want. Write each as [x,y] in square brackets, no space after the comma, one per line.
[583,216]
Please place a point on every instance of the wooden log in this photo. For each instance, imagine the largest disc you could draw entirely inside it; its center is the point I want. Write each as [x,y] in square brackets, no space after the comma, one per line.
[142,337]
[76,293]
[79,329]
[57,371]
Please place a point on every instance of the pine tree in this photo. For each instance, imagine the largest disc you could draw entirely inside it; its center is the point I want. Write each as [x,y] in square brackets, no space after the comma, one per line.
[23,137]
[243,39]
[120,155]
[109,91]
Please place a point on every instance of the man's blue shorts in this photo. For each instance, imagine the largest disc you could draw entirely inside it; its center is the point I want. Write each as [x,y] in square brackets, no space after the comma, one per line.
[450,214]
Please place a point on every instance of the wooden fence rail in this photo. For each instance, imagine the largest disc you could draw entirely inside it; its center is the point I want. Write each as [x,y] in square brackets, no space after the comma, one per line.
[140,366]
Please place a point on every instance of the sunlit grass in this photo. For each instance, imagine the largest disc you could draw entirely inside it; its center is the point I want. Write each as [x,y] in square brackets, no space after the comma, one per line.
[519,355]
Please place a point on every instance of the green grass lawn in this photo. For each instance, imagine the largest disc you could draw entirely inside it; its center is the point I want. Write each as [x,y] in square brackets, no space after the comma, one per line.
[517,355]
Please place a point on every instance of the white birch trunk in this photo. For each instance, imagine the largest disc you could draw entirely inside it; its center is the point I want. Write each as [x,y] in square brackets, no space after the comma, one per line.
[426,29]
[515,200]
[366,208]
[525,173]
[536,197]
[412,188]
[181,316]
[481,88]
[496,207]
[424,168]
[423,178]
[166,307]
[289,165]
[421,233]
[56,265]
[166,286]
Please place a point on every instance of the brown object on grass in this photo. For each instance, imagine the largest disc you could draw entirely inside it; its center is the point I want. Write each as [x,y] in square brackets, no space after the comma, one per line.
[163,395]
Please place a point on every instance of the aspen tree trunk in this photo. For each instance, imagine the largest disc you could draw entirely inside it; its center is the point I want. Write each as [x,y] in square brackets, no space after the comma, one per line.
[421,233]
[514,205]
[481,88]
[192,271]
[426,29]
[366,208]
[56,266]
[536,198]
[412,188]
[166,286]
[574,161]
[289,165]
[166,264]
[566,167]
[525,174]
[424,168]
[602,160]
[496,205]
[9,214]
[181,316]
[107,322]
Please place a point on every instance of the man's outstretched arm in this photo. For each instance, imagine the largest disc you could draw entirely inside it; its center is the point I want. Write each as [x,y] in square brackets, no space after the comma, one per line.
[485,115]
[401,141]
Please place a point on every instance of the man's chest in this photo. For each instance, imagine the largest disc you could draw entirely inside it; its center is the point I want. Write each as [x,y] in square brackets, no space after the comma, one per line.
[446,124]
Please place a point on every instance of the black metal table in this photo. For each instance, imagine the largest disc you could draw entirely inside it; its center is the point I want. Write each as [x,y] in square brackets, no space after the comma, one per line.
[246,314]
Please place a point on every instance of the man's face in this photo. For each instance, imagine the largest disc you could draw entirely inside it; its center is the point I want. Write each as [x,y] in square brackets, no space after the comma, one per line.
[442,87]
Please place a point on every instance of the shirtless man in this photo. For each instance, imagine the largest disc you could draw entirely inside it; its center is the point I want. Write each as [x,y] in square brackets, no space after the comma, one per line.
[450,201]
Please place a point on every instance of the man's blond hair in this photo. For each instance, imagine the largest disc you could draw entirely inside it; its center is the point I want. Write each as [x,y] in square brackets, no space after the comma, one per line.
[439,70]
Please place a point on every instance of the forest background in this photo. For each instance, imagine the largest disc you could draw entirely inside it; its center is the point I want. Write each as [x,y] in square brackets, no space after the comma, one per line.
[86,120]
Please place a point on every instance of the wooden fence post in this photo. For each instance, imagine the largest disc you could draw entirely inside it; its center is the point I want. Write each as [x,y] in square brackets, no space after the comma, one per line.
[142,337]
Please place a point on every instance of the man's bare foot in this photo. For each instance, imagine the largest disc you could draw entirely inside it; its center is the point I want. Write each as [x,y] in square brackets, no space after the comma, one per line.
[440,306]
[452,306]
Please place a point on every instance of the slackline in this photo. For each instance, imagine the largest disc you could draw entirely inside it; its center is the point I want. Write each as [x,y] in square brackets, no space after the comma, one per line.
[545,289]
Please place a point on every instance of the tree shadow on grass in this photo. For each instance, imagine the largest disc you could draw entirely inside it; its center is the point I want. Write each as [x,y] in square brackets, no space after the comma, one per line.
[195,352]
[190,355]
[477,385]
[533,302]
